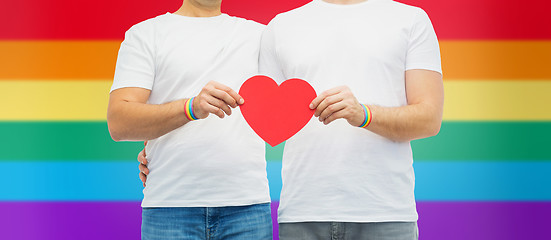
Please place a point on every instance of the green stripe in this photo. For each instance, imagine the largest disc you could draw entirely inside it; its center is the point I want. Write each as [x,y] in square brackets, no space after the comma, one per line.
[488,141]
[40,141]
[274,153]
[63,141]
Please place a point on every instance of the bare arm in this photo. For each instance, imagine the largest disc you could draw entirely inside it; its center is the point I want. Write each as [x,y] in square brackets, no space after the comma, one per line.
[130,118]
[421,118]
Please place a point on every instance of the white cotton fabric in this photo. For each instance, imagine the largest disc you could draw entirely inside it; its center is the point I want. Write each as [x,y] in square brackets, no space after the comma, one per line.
[340,172]
[210,162]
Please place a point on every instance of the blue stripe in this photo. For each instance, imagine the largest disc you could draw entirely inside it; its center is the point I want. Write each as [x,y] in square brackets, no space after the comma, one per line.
[483,181]
[71,181]
[85,181]
[118,181]
[273,170]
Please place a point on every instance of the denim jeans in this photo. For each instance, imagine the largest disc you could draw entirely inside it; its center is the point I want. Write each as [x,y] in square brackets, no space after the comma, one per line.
[348,231]
[252,222]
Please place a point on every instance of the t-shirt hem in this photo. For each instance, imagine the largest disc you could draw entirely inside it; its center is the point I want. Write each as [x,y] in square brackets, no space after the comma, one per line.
[431,68]
[132,84]
[402,218]
[226,203]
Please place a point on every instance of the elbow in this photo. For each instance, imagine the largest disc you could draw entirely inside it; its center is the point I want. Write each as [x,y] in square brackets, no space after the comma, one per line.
[115,137]
[434,128]
[433,124]
[115,130]
[429,129]
[115,126]
[115,133]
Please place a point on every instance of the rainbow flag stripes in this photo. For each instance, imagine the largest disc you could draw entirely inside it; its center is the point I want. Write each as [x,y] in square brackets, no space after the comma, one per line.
[485,176]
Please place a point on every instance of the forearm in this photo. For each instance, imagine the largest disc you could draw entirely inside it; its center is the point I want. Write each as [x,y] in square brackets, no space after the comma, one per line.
[134,121]
[406,123]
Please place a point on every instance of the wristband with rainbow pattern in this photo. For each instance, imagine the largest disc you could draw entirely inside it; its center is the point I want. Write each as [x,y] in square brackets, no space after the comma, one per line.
[368,116]
[188,110]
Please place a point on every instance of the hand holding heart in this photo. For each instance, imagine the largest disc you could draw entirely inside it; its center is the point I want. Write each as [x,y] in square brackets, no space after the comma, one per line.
[217,99]
[337,103]
[276,113]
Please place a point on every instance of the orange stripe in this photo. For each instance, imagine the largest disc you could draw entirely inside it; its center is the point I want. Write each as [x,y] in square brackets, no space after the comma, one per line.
[488,60]
[496,60]
[58,60]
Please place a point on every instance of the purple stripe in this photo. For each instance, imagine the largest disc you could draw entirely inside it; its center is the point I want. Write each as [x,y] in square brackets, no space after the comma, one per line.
[70,220]
[484,220]
[76,220]
[121,220]
[275,204]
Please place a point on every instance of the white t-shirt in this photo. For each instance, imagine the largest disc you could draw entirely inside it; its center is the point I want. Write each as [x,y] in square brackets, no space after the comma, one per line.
[340,172]
[210,162]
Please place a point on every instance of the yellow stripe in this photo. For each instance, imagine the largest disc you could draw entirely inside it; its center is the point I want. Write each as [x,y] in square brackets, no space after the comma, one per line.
[54,100]
[480,100]
[497,100]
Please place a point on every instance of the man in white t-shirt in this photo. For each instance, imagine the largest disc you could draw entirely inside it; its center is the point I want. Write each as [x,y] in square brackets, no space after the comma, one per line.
[348,173]
[207,174]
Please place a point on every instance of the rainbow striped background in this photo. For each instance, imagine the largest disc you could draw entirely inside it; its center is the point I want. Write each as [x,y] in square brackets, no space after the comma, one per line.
[487,175]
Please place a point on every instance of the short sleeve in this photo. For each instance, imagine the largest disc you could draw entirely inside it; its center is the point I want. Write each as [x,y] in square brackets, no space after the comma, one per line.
[423,49]
[268,61]
[135,62]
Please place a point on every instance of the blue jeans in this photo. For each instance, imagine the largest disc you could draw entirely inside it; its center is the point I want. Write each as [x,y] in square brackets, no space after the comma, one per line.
[240,222]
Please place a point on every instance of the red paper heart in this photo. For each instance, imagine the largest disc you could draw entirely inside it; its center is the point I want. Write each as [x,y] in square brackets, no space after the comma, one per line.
[276,113]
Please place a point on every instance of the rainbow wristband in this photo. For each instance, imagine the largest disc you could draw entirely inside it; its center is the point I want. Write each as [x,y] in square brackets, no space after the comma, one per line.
[368,116]
[188,110]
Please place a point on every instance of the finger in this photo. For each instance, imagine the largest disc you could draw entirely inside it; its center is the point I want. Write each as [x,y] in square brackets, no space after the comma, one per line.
[144,145]
[331,109]
[219,104]
[224,96]
[314,104]
[141,157]
[233,94]
[143,178]
[240,100]
[212,109]
[143,169]
[336,115]
[327,102]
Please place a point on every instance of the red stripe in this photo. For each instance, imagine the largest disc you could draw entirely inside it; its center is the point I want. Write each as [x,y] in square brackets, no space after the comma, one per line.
[488,19]
[109,19]
[70,19]
[261,11]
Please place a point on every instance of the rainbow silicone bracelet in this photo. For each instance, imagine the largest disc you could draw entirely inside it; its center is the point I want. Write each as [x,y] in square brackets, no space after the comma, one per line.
[368,116]
[188,110]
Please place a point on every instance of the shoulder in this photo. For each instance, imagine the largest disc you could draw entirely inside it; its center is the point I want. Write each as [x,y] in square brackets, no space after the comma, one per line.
[248,26]
[403,15]
[404,9]
[147,26]
[293,15]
